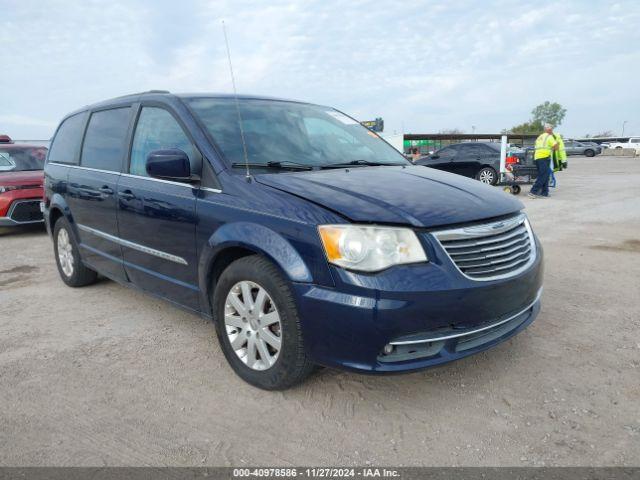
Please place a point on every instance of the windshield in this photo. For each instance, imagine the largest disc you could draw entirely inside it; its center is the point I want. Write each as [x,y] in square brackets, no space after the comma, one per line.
[16,159]
[281,132]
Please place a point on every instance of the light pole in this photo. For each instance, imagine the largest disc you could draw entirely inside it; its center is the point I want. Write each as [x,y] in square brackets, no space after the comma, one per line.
[473,129]
[623,124]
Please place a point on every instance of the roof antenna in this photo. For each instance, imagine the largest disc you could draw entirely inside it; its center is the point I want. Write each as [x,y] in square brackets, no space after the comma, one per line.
[235,94]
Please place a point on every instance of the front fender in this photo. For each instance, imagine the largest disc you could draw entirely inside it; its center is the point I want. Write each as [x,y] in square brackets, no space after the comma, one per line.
[259,239]
[265,241]
[262,240]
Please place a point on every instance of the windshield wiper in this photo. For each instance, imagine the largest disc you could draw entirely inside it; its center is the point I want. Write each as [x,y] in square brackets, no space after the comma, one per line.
[359,163]
[286,165]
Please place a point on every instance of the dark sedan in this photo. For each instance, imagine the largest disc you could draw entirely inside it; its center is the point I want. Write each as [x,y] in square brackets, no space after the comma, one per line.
[473,159]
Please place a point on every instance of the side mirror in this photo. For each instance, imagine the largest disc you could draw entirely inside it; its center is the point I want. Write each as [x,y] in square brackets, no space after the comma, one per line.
[170,164]
[435,157]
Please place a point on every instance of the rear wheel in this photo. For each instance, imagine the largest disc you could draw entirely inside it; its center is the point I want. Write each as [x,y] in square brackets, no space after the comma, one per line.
[258,325]
[72,271]
[487,175]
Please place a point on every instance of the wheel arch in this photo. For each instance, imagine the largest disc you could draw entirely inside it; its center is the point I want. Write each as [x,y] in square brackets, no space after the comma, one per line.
[54,214]
[237,240]
[57,209]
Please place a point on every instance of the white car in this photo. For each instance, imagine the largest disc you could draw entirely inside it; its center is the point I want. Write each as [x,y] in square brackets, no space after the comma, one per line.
[633,142]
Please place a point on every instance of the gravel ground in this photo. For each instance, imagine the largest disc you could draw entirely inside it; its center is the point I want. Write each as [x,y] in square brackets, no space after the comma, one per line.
[107,376]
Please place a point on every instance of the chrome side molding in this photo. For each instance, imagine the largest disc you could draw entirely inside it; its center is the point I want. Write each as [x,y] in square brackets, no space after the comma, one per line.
[133,245]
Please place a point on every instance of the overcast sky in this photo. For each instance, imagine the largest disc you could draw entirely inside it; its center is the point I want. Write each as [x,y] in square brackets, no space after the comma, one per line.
[422,66]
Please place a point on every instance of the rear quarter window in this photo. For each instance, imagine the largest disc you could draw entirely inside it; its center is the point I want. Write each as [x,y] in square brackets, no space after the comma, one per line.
[66,143]
[104,141]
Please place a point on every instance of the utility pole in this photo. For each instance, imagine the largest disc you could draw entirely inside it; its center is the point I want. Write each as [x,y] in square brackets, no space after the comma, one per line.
[623,124]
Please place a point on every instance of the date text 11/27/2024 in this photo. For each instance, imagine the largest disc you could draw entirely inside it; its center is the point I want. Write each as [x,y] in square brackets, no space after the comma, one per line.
[369,472]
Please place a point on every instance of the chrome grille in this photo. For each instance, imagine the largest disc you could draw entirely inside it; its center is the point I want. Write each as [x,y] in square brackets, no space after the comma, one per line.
[490,251]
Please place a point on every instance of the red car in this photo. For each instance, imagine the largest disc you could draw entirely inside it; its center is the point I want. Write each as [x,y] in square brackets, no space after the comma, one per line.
[21,179]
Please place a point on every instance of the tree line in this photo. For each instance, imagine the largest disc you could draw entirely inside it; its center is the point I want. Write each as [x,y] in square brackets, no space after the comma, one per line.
[547,112]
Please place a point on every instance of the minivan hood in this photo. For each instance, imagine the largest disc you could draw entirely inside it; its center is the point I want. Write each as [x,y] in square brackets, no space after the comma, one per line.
[415,195]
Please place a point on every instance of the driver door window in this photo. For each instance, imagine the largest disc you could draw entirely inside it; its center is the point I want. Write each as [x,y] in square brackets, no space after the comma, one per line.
[157,130]
[444,159]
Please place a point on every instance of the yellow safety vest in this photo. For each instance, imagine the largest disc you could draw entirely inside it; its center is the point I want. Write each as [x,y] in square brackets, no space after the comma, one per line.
[562,153]
[544,144]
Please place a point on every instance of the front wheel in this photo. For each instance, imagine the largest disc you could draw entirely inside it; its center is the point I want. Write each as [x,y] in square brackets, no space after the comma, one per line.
[589,153]
[258,325]
[487,175]
[72,271]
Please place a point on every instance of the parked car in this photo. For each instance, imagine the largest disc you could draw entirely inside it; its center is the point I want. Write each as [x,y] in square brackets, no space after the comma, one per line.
[633,142]
[305,239]
[514,148]
[471,159]
[21,179]
[588,149]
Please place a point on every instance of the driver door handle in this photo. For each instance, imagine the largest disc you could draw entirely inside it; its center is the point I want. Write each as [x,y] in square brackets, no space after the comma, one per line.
[106,190]
[126,195]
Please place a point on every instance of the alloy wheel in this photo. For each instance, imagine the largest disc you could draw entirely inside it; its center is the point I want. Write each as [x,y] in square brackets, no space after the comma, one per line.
[65,252]
[486,176]
[253,325]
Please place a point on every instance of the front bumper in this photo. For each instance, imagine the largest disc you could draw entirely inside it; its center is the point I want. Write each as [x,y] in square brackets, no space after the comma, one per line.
[431,313]
[23,212]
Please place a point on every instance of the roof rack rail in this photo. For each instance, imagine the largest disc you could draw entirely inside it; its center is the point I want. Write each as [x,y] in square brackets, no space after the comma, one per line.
[142,93]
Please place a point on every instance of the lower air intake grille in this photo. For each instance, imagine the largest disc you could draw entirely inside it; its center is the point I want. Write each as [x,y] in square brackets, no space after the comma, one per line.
[26,211]
[493,250]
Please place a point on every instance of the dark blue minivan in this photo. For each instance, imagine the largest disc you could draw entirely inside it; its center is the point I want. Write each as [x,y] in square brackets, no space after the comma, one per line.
[305,237]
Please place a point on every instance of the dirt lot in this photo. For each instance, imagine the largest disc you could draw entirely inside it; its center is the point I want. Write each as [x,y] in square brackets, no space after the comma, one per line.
[107,376]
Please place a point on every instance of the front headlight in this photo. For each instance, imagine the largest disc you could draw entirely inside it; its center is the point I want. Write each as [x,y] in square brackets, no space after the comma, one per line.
[370,249]
[7,189]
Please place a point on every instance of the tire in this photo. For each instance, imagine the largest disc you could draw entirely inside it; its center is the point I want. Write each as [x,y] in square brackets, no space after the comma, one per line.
[487,175]
[516,189]
[247,340]
[589,153]
[620,148]
[72,271]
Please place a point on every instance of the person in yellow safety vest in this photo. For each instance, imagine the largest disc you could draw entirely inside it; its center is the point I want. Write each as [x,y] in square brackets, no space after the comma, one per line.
[558,160]
[559,156]
[545,145]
